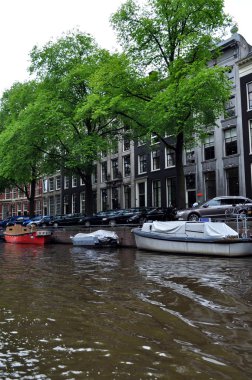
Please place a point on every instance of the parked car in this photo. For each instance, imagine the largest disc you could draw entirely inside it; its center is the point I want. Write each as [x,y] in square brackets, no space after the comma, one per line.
[40,221]
[97,219]
[65,220]
[11,220]
[215,208]
[119,217]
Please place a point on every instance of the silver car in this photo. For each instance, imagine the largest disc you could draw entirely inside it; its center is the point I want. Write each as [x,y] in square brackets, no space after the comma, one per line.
[214,208]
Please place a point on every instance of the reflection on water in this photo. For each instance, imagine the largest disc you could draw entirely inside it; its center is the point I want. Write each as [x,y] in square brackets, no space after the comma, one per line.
[76,313]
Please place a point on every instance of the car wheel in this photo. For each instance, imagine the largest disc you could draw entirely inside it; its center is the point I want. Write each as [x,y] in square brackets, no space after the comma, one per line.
[193,217]
[87,224]
[55,224]
[112,223]
[43,225]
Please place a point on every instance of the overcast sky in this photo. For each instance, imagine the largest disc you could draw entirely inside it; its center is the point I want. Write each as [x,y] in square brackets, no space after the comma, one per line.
[25,23]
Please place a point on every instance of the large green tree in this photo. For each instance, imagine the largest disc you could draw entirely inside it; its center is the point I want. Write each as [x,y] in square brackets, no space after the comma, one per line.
[76,125]
[170,88]
[22,143]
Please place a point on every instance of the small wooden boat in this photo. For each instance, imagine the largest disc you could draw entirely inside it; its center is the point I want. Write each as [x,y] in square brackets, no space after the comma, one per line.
[96,238]
[202,238]
[19,234]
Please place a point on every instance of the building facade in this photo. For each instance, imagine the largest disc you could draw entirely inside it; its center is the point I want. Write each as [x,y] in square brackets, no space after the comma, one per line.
[138,175]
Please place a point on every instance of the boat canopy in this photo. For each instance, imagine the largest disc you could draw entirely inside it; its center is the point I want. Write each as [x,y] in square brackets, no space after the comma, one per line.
[192,229]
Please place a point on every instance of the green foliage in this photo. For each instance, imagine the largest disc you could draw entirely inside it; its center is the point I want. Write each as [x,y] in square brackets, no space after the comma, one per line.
[174,91]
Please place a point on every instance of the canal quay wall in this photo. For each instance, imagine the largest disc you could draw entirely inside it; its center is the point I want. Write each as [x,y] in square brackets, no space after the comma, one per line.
[63,235]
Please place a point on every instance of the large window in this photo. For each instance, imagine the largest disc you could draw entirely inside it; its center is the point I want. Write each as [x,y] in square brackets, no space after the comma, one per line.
[126,166]
[156,193]
[142,163]
[171,192]
[230,138]
[82,202]
[230,107]
[232,178]
[169,157]
[155,159]
[104,171]
[209,152]
[114,165]
[249,95]
[190,189]
[141,194]
[104,199]
[210,184]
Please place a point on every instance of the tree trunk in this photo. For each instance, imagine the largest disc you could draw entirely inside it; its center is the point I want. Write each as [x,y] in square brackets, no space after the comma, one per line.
[88,194]
[180,177]
[32,197]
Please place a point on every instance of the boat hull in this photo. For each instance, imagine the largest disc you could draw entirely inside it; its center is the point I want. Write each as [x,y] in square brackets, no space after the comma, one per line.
[22,235]
[158,242]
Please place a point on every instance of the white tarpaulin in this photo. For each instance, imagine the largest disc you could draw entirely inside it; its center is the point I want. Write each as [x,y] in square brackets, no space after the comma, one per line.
[194,229]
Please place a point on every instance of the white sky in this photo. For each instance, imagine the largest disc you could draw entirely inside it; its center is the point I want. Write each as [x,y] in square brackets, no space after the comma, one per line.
[25,23]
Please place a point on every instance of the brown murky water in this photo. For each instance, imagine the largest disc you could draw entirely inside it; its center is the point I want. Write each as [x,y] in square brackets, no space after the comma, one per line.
[77,313]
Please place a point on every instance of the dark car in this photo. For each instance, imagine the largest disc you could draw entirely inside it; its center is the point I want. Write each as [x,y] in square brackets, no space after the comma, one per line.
[215,208]
[153,213]
[11,220]
[97,219]
[41,221]
[65,220]
[119,217]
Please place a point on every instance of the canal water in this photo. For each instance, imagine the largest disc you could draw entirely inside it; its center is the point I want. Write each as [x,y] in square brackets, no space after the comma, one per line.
[76,313]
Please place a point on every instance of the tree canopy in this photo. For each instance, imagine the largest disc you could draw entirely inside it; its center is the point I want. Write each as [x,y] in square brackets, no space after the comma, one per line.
[170,44]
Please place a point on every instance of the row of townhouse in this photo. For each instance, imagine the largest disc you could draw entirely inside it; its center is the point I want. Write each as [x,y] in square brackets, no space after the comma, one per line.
[135,175]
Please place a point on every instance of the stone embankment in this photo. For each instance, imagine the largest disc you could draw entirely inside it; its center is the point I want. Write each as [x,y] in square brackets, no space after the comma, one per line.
[126,237]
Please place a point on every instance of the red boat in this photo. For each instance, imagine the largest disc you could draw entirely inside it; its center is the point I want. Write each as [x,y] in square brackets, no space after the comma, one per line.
[26,235]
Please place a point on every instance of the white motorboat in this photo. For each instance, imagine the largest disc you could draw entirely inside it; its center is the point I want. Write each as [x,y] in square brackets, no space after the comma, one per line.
[96,238]
[202,238]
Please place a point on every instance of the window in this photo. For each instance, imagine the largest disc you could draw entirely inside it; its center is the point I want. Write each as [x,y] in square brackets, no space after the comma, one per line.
[126,166]
[190,157]
[115,198]
[57,204]
[154,139]
[230,137]
[232,178]
[170,157]
[141,194]
[104,199]
[190,189]
[74,181]
[208,146]
[210,184]
[82,203]
[58,182]
[45,185]
[51,184]
[104,171]
[66,182]
[156,192]
[249,95]
[171,192]
[127,196]
[114,164]
[155,160]
[126,144]
[74,203]
[230,107]
[142,163]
